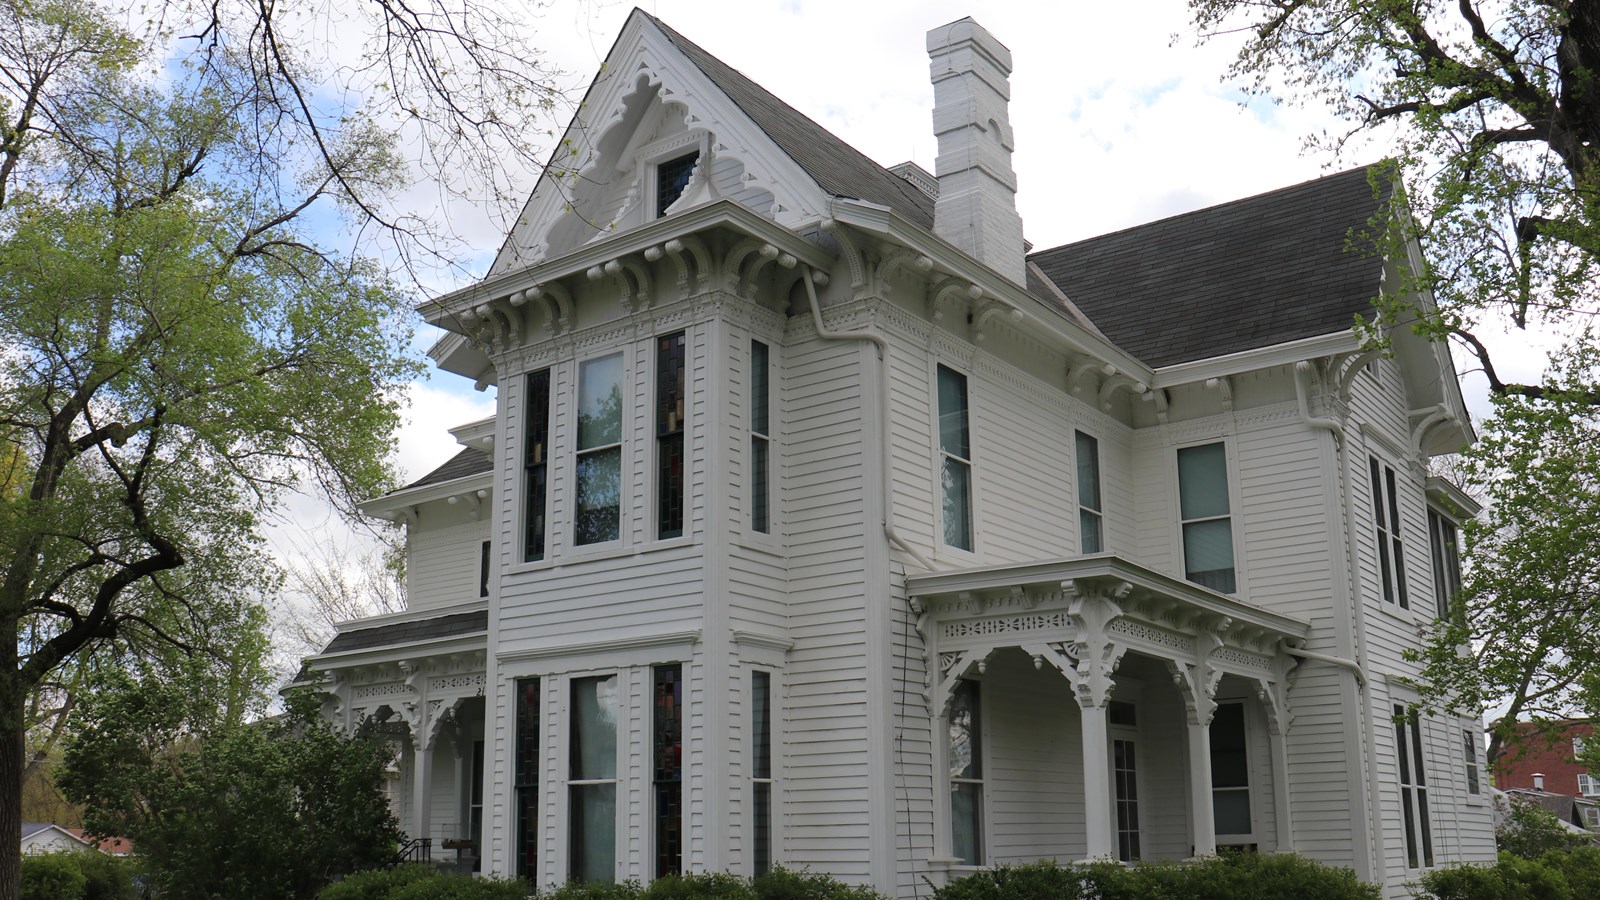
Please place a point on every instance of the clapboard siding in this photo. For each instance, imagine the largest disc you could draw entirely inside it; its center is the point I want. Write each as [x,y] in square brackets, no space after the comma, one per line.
[827,771]
[443,553]
[1034,770]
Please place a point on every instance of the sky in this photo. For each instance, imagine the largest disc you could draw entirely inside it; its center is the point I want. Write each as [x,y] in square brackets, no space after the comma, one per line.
[1119,119]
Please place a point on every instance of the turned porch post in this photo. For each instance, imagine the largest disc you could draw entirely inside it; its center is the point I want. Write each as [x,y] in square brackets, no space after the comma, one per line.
[1204,826]
[1098,826]
[422,787]
[1093,608]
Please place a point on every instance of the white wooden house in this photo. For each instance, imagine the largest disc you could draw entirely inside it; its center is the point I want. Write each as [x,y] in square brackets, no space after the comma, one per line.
[822,524]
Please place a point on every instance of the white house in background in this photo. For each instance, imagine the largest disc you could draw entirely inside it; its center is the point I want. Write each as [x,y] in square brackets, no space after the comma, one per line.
[48,837]
[821,524]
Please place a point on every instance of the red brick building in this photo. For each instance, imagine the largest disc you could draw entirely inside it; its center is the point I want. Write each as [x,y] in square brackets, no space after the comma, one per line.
[1553,758]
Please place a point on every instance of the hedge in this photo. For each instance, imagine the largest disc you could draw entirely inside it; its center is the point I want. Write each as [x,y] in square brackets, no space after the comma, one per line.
[1248,876]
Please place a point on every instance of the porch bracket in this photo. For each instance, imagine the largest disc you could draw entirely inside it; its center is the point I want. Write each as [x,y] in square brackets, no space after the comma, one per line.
[954,666]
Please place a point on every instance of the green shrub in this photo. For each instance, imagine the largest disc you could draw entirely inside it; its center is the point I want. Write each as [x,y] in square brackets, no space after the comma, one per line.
[108,877]
[628,890]
[1244,877]
[1580,867]
[463,887]
[1040,880]
[787,884]
[699,886]
[53,876]
[377,884]
[1530,831]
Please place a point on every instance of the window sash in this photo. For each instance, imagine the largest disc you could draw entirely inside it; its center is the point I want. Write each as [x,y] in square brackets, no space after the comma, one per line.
[667,778]
[1205,513]
[1444,541]
[535,463]
[526,775]
[1091,538]
[1230,771]
[955,463]
[760,439]
[1386,521]
[592,781]
[1469,743]
[761,770]
[1413,788]
[964,731]
[671,389]
[597,504]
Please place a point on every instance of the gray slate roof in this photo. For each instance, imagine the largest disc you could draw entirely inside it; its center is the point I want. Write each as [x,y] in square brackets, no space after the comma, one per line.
[1247,274]
[467,462]
[837,167]
[454,625]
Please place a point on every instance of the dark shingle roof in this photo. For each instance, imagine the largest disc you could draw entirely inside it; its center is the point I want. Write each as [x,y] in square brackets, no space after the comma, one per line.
[409,632]
[467,462]
[1239,276]
[837,167]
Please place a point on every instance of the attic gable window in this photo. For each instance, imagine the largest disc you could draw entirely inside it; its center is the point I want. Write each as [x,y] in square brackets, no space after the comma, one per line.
[672,177]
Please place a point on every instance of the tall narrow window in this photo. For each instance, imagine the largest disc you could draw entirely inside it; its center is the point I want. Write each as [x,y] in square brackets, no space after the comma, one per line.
[1446,562]
[668,778]
[1090,529]
[526,781]
[475,805]
[1230,771]
[760,439]
[535,484]
[1469,743]
[592,828]
[761,769]
[1125,769]
[672,177]
[1207,520]
[598,513]
[955,459]
[1413,788]
[1386,516]
[669,435]
[966,775]
[483,570]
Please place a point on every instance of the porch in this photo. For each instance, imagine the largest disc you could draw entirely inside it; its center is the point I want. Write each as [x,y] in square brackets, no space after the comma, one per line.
[1092,708]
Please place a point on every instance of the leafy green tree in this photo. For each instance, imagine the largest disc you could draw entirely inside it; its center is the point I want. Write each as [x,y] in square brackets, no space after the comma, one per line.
[1491,111]
[277,808]
[1530,603]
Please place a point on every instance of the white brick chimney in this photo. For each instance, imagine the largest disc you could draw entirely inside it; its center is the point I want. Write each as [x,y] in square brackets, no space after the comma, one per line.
[977,207]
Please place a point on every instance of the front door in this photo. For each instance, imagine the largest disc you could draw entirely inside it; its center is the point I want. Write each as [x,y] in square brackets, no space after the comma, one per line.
[1124,734]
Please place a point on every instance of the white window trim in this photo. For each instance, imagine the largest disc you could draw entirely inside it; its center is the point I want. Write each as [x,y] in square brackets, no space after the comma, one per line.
[774,781]
[553,469]
[1132,734]
[1241,563]
[1077,490]
[940,548]
[626,721]
[1594,785]
[652,155]
[574,550]
[769,541]
[1434,509]
[652,473]
[1428,785]
[944,824]
[1383,548]
[1253,787]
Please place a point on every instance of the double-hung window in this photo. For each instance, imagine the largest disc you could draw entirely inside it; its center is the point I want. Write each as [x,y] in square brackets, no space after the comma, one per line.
[592,785]
[1446,562]
[1230,771]
[669,435]
[667,751]
[955,459]
[1588,785]
[1413,788]
[526,773]
[760,440]
[1091,536]
[535,465]
[598,513]
[1469,744]
[761,770]
[1207,517]
[1386,518]
[965,757]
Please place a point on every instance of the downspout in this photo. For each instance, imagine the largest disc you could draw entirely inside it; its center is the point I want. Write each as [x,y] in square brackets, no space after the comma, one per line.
[883,417]
[1341,449]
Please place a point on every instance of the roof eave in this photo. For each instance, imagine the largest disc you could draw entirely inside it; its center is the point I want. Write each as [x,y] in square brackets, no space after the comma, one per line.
[1256,359]
[386,506]
[444,310]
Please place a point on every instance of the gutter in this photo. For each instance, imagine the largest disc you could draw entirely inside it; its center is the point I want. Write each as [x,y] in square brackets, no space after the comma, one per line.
[883,413]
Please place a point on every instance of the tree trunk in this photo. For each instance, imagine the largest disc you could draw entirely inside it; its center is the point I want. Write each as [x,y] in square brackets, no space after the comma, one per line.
[13,749]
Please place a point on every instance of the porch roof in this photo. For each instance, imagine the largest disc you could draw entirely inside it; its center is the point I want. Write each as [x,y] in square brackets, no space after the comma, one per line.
[1144,584]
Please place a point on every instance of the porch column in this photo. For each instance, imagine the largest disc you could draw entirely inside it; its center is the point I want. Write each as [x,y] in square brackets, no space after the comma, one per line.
[1098,826]
[421,788]
[1280,788]
[1200,800]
